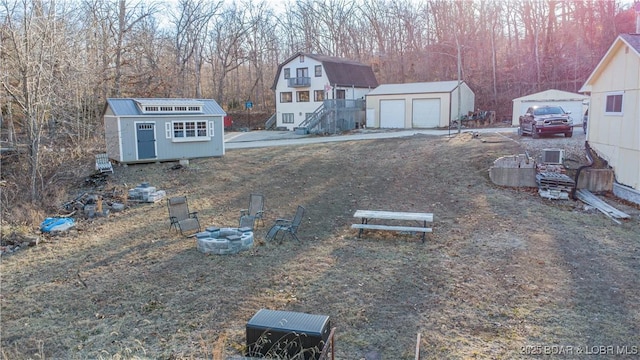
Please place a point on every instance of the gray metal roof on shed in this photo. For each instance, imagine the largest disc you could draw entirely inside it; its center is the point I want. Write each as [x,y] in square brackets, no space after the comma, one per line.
[128,107]
[415,88]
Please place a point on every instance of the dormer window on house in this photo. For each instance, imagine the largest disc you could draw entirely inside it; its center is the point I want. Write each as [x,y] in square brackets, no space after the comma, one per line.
[318,70]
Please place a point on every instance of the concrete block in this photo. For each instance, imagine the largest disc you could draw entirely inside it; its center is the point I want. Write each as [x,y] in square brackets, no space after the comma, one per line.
[596,180]
[514,171]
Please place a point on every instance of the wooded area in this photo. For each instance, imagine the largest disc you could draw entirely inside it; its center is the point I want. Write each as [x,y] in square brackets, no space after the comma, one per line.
[62,59]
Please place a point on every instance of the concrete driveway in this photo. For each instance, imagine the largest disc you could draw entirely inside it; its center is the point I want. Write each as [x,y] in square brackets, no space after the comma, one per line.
[266,138]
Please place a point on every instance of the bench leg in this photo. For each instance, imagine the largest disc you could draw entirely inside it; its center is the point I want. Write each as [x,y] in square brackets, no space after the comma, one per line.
[364,221]
[424,234]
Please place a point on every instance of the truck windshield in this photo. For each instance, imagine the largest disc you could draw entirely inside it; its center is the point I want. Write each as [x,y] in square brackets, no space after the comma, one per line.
[548,110]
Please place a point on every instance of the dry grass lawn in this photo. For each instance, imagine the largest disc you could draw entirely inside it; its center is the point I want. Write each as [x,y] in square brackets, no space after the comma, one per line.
[504,270]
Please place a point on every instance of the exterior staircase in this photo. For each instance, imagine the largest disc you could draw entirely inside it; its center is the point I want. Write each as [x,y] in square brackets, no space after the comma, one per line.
[270,124]
[333,116]
[310,124]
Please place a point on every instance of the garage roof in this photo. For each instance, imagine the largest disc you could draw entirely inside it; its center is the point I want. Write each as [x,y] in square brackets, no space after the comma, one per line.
[415,88]
[552,95]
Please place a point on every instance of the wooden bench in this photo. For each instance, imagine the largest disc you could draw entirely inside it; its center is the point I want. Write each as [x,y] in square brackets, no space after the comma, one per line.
[367,215]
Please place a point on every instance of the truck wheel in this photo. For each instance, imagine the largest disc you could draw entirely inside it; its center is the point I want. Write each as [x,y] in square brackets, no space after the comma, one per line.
[534,132]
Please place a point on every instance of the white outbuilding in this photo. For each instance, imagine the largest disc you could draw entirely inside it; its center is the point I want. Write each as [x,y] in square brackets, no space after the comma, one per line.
[418,105]
[571,102]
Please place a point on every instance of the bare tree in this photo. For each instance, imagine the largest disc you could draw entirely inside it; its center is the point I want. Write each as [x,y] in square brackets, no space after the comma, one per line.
[261,46]
[191,26]
[115,29]
[225,52]
[33,43]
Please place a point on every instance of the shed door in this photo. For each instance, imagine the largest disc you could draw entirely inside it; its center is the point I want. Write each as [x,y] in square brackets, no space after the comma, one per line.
[146,136]
[392,114]
[426,113]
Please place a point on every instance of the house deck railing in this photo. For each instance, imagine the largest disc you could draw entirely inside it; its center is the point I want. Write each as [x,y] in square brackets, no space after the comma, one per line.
[334,116]
[302,81]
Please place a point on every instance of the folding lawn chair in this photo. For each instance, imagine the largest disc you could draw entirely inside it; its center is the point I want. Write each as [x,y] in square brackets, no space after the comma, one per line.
[287,226]
[255,210]
[180,216]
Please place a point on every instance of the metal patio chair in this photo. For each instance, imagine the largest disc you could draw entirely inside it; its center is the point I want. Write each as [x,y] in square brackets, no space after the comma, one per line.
[287,226]
[255,211]
[181,218]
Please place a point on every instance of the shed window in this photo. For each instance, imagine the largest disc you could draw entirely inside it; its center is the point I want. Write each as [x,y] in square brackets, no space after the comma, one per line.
[614,104]
[191,130]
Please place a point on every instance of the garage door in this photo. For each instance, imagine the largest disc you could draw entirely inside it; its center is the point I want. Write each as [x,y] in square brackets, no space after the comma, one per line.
[426,113]
[392,114]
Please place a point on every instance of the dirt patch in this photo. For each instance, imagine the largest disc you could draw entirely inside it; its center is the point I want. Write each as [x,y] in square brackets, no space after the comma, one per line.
[503,272]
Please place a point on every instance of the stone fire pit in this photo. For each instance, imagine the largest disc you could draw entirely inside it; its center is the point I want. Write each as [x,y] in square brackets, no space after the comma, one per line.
[224,241]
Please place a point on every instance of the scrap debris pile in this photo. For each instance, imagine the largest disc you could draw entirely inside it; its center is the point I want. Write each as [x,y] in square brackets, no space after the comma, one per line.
[92,204]
[553,185]
[101,203]
[553,182]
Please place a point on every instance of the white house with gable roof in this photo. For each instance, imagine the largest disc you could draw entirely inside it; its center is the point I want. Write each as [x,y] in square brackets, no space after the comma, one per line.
[318,87]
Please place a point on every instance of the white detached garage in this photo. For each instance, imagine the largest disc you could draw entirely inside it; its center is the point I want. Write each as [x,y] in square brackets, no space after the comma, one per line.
[418,105]
[567,100]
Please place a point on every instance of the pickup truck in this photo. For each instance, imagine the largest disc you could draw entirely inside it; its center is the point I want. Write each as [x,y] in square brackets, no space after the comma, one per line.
[547,120]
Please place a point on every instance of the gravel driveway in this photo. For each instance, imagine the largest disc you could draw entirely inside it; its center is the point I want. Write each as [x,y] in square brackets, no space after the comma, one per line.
[573,146]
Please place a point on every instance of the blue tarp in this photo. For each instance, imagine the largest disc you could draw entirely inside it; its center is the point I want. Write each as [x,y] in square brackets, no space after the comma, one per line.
[56,224]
